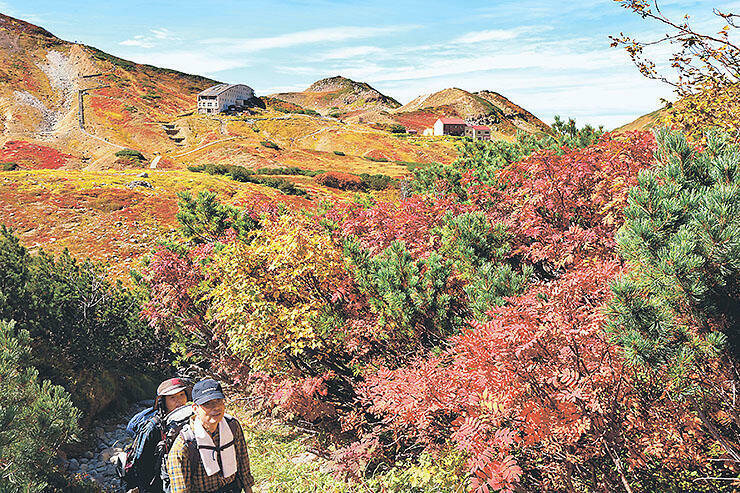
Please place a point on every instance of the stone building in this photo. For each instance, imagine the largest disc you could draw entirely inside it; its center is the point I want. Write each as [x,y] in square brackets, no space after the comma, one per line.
[219,97]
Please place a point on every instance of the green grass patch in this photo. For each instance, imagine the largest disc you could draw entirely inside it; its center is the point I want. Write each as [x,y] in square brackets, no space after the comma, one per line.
[8,166]
[130,153]
[377,159]
[244,175]
[410,164]
[339,153]
[270,144]
[290,170]
[273,450]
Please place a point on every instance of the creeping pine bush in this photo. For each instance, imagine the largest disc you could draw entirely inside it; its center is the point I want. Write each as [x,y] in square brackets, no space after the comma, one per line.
[77,317]
[242,174]
[269,144]
[36,417]
[131,154]
[676,313]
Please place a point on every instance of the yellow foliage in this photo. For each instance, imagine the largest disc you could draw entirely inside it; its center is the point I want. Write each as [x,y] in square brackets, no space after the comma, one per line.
[273,291]
[715,106]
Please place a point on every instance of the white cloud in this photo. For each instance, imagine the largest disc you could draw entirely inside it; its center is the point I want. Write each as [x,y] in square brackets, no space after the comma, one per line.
[151,39]
[277,89]
[350,52]
[297,70]
[191,62]
[162,33]
[490,35]
[323,35]
[138,41]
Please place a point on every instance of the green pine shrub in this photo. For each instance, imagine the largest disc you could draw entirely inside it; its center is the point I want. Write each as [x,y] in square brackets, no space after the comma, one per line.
[204,219]
[269,144]
[131,154]
[244,175]
[676,312]
[375,182]
[36,417]
[85,328]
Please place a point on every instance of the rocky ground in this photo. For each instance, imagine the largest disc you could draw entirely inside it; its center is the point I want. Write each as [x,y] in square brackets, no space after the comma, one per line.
[98,464]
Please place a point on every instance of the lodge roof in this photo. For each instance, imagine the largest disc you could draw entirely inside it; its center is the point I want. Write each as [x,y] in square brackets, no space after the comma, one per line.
[218,89]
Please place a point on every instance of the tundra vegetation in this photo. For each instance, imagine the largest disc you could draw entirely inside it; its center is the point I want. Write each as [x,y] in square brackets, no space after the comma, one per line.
[559,313]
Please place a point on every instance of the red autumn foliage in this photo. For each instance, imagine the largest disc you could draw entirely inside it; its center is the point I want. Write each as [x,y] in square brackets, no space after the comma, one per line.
[342,181]
[411,221]
[539,380]
[564,208]
[535,395]
[33,156]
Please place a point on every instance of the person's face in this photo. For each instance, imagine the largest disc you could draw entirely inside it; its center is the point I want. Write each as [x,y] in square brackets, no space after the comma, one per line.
[210,413]
[172,402]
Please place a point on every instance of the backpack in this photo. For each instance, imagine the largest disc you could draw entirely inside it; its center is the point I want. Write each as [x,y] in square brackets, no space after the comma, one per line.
[192,446]
[145,456]
[135,423]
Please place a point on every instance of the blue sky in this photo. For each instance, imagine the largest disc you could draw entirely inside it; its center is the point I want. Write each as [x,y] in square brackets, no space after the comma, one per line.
[549,57]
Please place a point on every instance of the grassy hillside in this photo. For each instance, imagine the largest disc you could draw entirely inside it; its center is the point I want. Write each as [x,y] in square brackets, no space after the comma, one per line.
[339,96]
[644,122]
[485,107]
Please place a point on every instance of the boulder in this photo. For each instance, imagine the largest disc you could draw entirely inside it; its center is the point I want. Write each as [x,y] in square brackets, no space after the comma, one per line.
[139,183]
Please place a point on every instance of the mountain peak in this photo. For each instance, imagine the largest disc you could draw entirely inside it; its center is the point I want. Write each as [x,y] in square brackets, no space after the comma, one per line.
[13,25]
[332,84]
[339,94]
[483,107]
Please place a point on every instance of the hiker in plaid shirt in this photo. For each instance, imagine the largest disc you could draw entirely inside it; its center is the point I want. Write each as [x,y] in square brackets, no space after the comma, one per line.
[210,454]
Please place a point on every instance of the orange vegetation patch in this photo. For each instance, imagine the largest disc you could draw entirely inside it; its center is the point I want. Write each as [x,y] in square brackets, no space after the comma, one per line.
[33,156]
[417,120]
[280,105]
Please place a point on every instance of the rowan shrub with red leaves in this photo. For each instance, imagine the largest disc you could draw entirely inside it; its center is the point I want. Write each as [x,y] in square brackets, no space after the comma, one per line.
[531,389]
[564,208]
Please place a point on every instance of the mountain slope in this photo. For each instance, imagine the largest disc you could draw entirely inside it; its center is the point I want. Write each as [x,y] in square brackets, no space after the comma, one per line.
[484,107]
[644,122]
[41,77]
[339,95]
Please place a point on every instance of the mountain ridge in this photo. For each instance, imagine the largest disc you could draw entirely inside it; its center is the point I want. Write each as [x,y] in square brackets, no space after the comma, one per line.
[339,94]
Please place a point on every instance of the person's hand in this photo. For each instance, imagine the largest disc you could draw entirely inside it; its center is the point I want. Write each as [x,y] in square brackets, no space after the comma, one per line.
[135,490]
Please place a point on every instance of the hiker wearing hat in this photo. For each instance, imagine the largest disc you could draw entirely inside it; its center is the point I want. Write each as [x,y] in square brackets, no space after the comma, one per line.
[210,453]
[140,469]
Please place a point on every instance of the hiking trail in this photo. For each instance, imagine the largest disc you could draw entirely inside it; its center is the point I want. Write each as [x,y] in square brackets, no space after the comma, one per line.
[98,463]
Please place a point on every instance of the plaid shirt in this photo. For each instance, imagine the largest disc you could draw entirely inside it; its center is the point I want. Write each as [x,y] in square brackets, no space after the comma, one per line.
[189,478]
